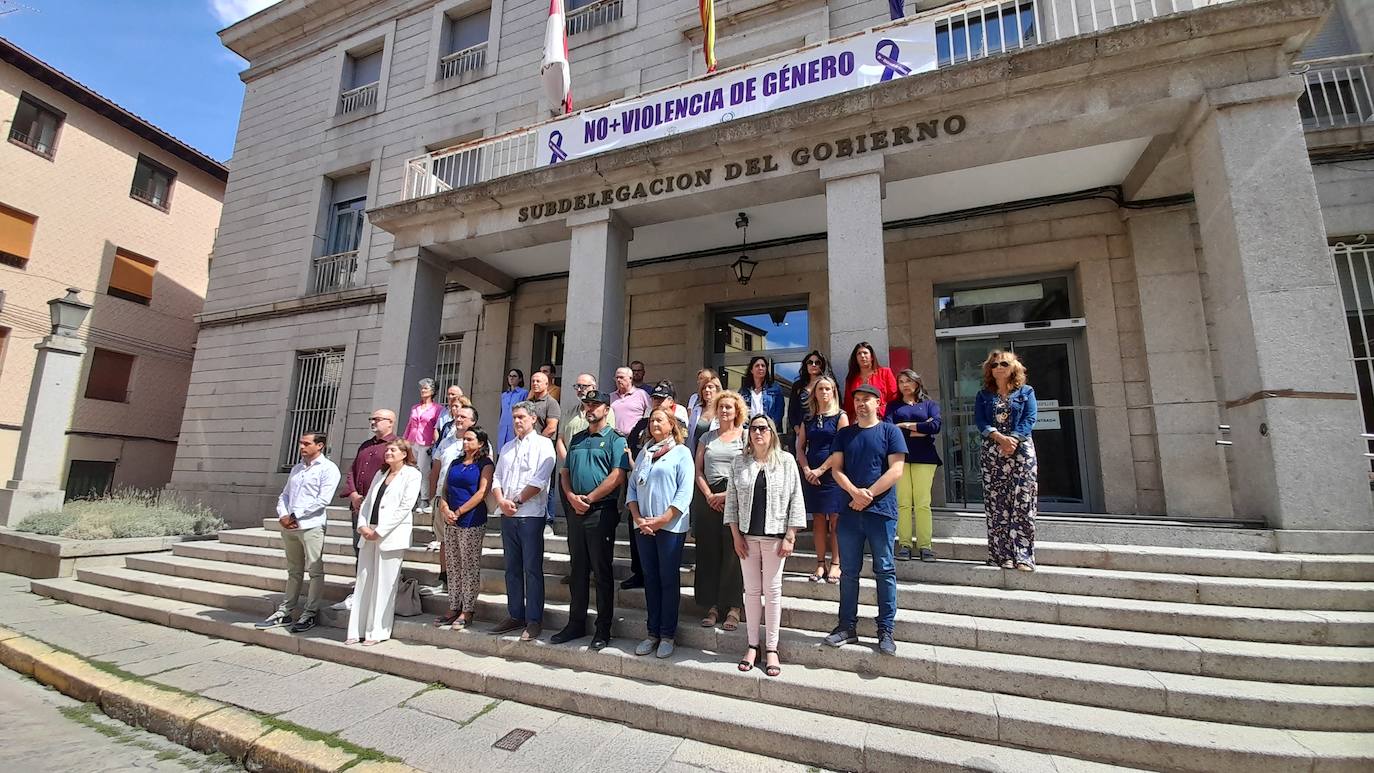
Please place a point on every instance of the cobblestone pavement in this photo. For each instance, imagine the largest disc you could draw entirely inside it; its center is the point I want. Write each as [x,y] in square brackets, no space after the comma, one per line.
[429,727]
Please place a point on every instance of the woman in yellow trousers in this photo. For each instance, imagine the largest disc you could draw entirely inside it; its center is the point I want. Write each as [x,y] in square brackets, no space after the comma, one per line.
[918,417]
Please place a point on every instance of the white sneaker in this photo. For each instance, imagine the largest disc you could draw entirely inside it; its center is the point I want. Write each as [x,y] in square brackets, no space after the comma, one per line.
[433,546]
[344,606]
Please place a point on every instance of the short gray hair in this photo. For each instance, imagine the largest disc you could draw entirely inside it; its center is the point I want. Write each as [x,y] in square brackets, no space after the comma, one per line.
[523,405]
[428,382]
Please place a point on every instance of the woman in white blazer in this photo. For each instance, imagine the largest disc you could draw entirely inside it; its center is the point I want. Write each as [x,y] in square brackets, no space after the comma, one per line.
[385,523]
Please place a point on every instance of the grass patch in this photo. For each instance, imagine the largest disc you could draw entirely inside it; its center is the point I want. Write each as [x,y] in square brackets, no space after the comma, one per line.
[125,513]
[431,687]
[487,709]
[363,753]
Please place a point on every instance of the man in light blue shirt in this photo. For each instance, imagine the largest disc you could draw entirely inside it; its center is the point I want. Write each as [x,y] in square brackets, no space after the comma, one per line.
[313,482]
[521,487]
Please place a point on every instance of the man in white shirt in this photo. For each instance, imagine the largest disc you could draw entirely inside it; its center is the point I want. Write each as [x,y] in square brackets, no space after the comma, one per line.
[301,513]
[521,487]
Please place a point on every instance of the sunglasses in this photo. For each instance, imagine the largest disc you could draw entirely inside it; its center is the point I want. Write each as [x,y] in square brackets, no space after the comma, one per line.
[817,363]
[1001,364]
[759,428]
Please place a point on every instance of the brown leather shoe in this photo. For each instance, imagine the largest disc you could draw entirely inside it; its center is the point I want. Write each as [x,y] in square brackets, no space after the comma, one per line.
[508,625]
[532,632]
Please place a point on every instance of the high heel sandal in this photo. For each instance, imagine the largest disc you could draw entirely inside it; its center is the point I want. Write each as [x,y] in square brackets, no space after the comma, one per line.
[732,620]
[773,669]
[447,620]
[832,575]
[746,665]
[710,620]
[821,571]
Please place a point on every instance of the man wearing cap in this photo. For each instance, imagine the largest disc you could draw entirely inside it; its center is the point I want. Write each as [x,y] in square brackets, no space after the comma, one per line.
[662,396]
[591,474]
[866,460]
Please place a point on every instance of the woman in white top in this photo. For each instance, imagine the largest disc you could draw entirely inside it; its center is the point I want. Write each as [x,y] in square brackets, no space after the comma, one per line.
[385,523]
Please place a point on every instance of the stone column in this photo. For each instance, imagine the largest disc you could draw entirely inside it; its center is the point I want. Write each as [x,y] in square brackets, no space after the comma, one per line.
[38,469]
[855,269]
[1288,386]
[1179,360]
[410,329]
[595,333]
[489,362]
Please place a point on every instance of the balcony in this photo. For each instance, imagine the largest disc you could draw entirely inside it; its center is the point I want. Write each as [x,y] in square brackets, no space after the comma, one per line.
[330,273]
[1339,93]
[594,15]
[964,32]
[359,98]
[36,144]
[152,197]
[459,62]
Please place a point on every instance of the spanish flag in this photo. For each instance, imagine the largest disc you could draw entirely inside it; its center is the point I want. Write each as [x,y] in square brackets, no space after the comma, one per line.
[708,28]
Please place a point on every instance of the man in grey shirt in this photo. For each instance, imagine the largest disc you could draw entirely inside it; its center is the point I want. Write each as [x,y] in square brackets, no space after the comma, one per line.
[547,414]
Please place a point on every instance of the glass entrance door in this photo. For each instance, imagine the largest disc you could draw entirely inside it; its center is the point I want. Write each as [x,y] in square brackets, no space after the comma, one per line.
[1060,433]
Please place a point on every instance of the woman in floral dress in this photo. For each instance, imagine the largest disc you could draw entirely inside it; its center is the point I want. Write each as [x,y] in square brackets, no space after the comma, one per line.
[1004,411]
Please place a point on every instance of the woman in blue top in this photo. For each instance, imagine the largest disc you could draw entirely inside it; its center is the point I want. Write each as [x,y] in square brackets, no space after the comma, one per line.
[467,478]
[918,417]
[659,496]
[515,392]
[761,393]
[823,496]
[1004,412]
[814,367]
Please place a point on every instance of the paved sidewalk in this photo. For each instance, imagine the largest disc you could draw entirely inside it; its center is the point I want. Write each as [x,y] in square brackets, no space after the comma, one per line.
[429,727]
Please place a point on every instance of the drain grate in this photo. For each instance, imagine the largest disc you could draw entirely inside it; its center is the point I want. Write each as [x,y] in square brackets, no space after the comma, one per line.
[513,740]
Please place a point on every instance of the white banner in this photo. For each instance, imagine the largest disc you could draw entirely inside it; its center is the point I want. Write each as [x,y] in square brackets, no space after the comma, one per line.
[845,65]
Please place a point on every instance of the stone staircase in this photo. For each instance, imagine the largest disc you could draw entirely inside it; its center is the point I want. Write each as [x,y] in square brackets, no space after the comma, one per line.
[1160,658]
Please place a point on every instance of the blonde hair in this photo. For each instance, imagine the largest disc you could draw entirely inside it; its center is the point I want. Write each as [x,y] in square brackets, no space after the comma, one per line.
[405,448]
[775,452]
[814,405]
[741,407]
[1018,371]
[679,432]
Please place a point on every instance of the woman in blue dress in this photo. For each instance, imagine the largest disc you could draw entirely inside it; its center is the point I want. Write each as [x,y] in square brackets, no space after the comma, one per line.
[514,392]
[823,496]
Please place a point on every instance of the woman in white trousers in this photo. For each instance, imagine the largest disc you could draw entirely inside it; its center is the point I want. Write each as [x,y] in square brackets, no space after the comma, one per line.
[385,523]
[764,509]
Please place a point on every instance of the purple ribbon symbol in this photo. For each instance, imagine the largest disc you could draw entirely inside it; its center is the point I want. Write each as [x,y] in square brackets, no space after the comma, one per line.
[556,147]
[886,53]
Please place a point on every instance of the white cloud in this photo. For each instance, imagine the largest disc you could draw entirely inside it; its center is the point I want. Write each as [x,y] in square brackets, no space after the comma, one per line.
[230,11]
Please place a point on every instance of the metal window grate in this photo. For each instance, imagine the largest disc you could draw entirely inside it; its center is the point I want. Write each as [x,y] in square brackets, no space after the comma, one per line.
[1354,264]
[313,395]
[513,740]
[446,364]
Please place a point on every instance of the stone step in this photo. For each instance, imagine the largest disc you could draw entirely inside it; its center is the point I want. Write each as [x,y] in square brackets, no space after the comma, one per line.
[1346,628]
[1047,726]
[708,717]
[1145,586]
[1186,655]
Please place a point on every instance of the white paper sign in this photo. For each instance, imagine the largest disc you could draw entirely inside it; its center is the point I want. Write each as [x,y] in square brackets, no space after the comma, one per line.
[1046,419]
[845,65]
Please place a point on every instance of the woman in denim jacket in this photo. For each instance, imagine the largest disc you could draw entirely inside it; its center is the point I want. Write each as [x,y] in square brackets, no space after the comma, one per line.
[1004,412]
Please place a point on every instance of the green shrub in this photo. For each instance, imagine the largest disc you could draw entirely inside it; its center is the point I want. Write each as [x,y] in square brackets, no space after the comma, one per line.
[126,513]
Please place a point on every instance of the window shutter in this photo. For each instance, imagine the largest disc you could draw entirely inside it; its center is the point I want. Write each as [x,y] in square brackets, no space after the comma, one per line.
[132,275]
[16,233]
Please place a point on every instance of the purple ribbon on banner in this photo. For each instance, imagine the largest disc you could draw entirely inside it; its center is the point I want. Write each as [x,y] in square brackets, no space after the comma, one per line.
[556,147]
[886,52]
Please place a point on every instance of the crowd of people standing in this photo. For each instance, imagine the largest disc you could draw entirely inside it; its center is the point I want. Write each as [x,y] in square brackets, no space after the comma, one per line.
[739,472]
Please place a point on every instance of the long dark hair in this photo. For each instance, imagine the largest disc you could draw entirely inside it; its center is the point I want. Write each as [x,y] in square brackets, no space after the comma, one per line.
[767,373]
[908,373]
[804,377]
[482,441]
[507,387]
[854,358]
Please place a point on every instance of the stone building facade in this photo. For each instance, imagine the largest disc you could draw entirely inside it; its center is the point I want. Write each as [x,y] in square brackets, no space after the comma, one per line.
[1133,207]
[96,198]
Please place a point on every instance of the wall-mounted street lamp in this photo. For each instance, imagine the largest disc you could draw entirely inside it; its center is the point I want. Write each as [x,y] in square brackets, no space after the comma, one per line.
[743,266]
[67,313]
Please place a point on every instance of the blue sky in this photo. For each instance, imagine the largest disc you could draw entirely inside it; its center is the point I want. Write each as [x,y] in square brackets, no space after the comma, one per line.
[160,59]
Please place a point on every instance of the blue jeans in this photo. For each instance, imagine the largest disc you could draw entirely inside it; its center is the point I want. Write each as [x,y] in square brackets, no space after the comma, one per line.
[879,531]
[522,539]
[661,557]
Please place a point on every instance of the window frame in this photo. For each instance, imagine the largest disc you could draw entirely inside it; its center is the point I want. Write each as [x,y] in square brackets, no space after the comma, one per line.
[128,382]
[14,260]
[157,168]
[42,106]
[129,295]
[441,20]
[364,43]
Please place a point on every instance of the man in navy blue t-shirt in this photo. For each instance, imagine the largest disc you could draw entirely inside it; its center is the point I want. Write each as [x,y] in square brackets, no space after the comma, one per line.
[867,462]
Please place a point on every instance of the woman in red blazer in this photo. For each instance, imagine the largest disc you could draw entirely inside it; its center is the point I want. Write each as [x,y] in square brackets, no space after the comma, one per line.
[865,369]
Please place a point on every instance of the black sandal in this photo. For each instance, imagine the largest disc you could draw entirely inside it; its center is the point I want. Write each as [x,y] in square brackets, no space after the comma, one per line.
[773,670]
[447,620]
[746,666]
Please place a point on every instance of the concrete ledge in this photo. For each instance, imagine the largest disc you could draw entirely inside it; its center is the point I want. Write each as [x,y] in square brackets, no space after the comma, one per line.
[229,731]
[39,556]
[72,676]
[283,752]
[167,713]
[18,653]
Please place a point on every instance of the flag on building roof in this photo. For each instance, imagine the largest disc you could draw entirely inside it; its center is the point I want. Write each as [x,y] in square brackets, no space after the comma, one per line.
[556,71]
[708,28]
[896,7]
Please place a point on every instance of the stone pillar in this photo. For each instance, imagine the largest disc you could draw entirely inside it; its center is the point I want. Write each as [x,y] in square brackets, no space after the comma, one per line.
[42,454]
[1288,386]
[1179,359]
[855,268]
[489,362]
[410,329]
[595,333]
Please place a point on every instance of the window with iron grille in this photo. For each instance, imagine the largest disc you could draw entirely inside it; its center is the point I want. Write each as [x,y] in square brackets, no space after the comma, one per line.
[314,394]
[446,364]
[152,183]
[35,125]
[465,44]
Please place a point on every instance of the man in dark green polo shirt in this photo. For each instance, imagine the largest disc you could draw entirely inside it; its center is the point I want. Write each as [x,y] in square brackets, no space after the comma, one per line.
[592,472]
